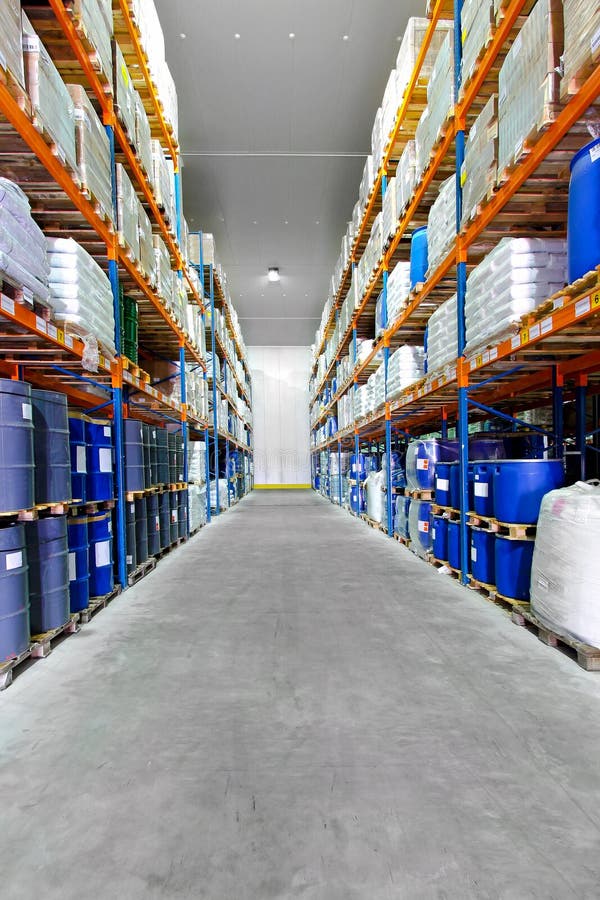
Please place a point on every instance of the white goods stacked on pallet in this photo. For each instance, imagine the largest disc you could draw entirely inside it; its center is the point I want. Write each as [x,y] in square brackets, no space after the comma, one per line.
[23,258]
[405,366]
[92,151]
[127,213]
[80,292]
[406,178]
[479,169]
[442,335]
[146,18]
[441,224]
[163,182]
[564,572]
[197,462]
[515,277]
[477,20]
[147,257]
[529,80]
[389,221]
[398,290]
[124,93]
[582,42]
[440,104]
[374,485]
[412,41]
[11,45]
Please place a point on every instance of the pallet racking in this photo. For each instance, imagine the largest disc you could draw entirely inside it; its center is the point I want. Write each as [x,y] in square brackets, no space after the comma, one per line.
[551,359]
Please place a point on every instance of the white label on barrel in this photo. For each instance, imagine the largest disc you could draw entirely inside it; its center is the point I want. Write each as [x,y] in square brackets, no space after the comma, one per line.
[442,484]
[173,516]
[102,554]
[72,567]
[109,526]
[423,464]
[14,560]
[107,431]
[424,526]
[481,489]
[105,459]
[130,560]
[81,463]
[594,152]
[156,523]
[132,508]
[473,554]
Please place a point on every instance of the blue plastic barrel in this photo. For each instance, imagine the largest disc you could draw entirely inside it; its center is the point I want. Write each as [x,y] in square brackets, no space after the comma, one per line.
[357,498]
[358,467]
[440,538]
[486,448]
[422,458]
[162,451]
[48,560]
[401,516]
[141,530]
[454,544]
[442,484]
[135,477]
[14,592]
[419,261]
[101,554]
[154,467]
[51,447]
[164,512]
[131,560]
[79,569]
[420,522]
[583,227]
[153,524]
[147,441]
[16,446]
[483,555]
[174,516]
[78,447]
[513,567]
[455,485]
[483,488]
[520,484]
[98,435]
[182,512]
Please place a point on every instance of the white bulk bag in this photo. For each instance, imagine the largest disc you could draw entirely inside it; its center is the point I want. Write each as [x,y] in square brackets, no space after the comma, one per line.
[375,496]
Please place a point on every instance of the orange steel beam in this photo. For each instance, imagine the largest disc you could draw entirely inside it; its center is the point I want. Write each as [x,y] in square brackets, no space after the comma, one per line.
[141,56]
[573,111]
[20,122]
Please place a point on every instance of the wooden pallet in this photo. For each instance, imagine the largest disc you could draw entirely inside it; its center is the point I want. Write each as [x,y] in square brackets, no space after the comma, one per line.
[172,546]
[421,495]
[97,603]
[135,371]
[401,539]
[377,526]
[586,656]
[490,592]
[453,515]
[42,643]
[547,118]
[141,571]
[78,507]
[511,530]
[42,509]
[7,667]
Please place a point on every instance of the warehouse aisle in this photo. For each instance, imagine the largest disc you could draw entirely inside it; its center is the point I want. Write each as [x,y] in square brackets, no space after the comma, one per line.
[319,715]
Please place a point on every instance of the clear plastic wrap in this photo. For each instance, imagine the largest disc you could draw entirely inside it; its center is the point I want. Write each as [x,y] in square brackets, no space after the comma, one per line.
[389,106]
[11,49]
[366,183]
[405,366]
[406,177]
[565,582]
[582,42]
[440,103]
[143,138]
[441,224]
[93,150]
[398,290]
[22,243]
[147,257]
[127,213]
[375,496]
[377,141]
[96,18]
[409,50]
[49,96]
[124,93]
[162,180]
[80,292]
[529,83]
[389,215]
[442,335]
[420,526]
[164,277]
[479,170]
[477,23]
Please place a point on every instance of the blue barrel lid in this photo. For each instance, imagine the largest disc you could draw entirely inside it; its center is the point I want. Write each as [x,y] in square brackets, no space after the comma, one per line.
[583,151]
[418,231]
[12,538]
[49,396]
[20,388]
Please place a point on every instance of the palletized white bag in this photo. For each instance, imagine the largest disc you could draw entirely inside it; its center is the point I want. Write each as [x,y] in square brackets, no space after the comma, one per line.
[565,573]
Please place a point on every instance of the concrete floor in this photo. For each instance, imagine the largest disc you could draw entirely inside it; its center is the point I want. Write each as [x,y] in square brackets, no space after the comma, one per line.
[318,715]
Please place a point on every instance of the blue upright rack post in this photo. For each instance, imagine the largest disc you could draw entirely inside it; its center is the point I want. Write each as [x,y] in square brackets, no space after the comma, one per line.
[227,479]
[581,423]
[214,387]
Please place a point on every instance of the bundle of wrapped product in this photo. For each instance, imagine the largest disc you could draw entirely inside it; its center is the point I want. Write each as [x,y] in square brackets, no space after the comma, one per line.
[22,244]
[389,213]
[366,183]
[80,292]
[515,277]
[363,349]
[178,300]
[441,224]
[163,182]
[401,514]
[197,462]
[564,571]
[152,39]
[147,255]
[11,48]
[345,409]
[380,317]
[50,99]
[223,487]
[479,170]
[420,523]
[406,178]
[375,496]
[377,141]
[376,389]
[357,213]
[582,44]
[398,289]
[196,506]
[361,402]
[124,93]
[345,369]
[412,40]
[477,20]
[440,103]
[405,366]
[97,20]
[389,107]
[127,213]
[143,138]
[164,276]
[93,150]
[371,256]
[442,335]
[529,83]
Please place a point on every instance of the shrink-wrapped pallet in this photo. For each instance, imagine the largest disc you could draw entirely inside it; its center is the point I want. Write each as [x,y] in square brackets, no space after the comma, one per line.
[479,170]
[565,575]
[405,366]
[164,277]
[440,104]
[398,289]
[147,257]
[50,99]
[127,213]
[442,336]
[389,214]
[389,107]
[529,83]
[409,50]
[406,177]
[375,496]
[441,224]
[582,42]
[143,139]
[377,141]
[11,46]
[95,17]
[477,21]
[163,182]
[515,277]
[93,151]
[366,183]
[80,292]
[23,257]
[197,462]
[124,93]
[179,301]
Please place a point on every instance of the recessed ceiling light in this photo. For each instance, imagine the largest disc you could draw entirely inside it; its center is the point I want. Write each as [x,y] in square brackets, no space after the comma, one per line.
[262,295]
[285,295]
[346,37]
[317,222]
[273,274]
[183,36]
[255,222]
[286,222]
[237,36]
[399,38]
[292,35]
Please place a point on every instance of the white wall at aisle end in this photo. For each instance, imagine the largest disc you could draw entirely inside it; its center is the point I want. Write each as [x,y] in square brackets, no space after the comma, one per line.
[280,410]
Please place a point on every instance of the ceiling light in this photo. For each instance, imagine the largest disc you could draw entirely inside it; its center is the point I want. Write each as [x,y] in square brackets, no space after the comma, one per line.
[285,295]
[237,36]
[286,222]
[273,274]
[255,222]
[317,222]
[183,36]
[292,35]
[346,37]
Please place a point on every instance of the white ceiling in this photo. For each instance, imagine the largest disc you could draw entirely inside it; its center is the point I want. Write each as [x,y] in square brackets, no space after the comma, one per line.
[274,131]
